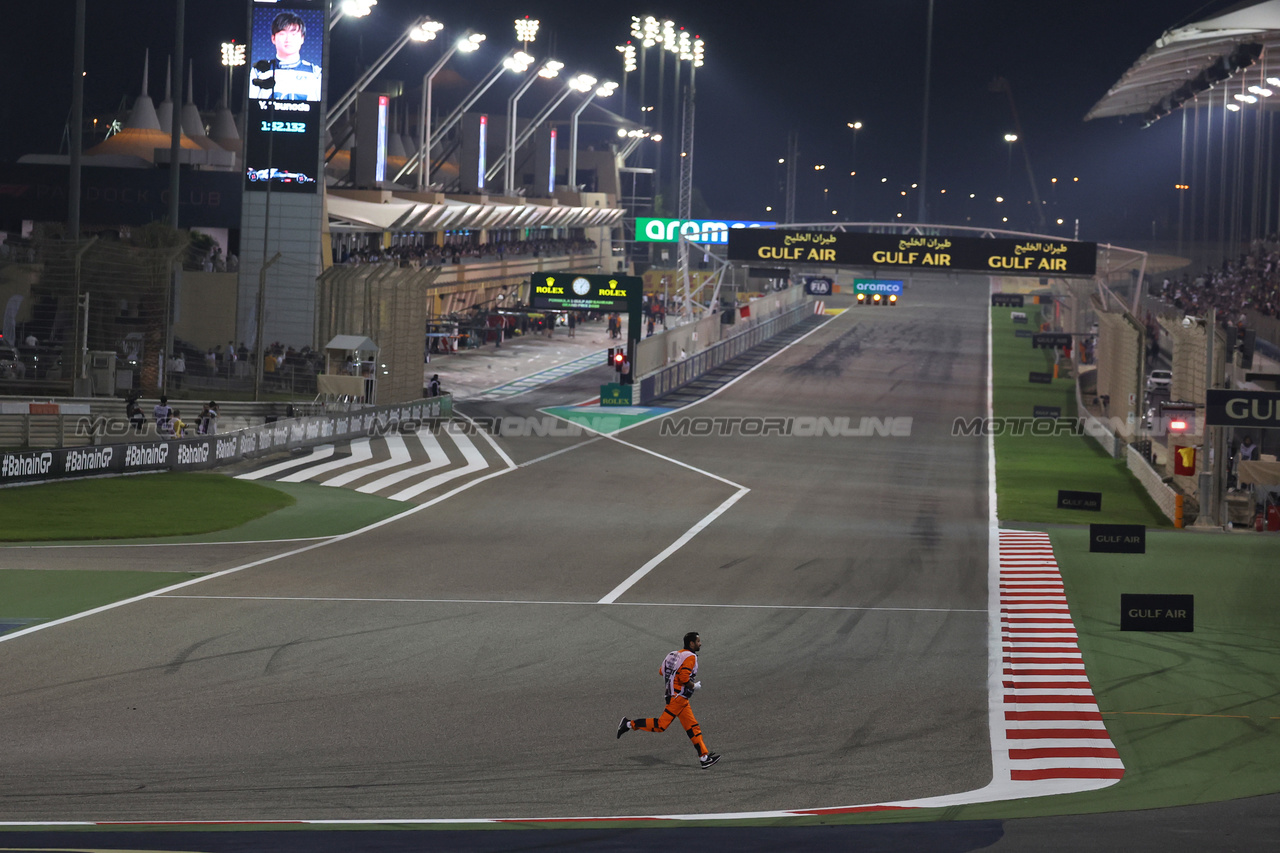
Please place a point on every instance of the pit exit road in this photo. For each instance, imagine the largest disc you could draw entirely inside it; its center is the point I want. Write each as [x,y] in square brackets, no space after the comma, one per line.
[455,662]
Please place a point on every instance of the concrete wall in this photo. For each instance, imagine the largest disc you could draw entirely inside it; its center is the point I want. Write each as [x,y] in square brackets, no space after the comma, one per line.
[1120,366]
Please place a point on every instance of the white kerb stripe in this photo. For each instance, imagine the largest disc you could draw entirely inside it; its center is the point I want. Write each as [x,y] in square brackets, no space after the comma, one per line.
[324,451]
[360,452]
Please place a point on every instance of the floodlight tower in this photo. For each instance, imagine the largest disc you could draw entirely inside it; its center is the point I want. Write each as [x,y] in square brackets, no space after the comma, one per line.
[603,91]
[526,31]
[549,70]
[467,44]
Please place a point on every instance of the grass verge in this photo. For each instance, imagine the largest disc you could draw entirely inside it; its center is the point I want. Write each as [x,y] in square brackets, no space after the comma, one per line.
[154,505]
[1030,469]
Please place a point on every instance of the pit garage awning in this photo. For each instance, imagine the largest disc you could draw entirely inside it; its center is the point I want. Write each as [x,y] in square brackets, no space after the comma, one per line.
[399,215]
[1188,61]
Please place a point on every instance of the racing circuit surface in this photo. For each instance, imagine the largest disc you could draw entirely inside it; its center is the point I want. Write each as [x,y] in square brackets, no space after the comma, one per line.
[457,661]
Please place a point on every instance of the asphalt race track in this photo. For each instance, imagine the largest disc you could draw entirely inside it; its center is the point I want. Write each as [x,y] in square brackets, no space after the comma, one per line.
[455,662]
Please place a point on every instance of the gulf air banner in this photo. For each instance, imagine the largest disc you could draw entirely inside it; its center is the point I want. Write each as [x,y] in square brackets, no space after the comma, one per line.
[914,251]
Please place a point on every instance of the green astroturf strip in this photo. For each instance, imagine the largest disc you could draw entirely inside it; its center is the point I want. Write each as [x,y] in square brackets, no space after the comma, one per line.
[33,596]
[138,509]
[1030,469]
[171,504]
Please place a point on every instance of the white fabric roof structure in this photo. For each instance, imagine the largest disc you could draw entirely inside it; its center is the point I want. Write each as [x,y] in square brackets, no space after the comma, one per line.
[352,343]
[347,214]
[1189,61]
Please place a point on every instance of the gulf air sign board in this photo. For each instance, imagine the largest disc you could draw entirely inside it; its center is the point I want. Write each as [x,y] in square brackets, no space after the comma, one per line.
[698,230]
[915,251]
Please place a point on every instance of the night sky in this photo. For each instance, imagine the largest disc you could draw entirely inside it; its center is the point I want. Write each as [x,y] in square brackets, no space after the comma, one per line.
[805,66]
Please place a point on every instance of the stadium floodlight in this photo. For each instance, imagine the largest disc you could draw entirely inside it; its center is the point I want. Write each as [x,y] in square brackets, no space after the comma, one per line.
[549,69]
[669,36]
[605,90]
[1235,108]
[652,32]
[425,31]
[518,62]
[1259,90]
[1273,81]
[233,55]
[467,44]
[582,83]
[526,29]
[684,45]
[1248,99]
[1011,137]
[628,52]
[357,8]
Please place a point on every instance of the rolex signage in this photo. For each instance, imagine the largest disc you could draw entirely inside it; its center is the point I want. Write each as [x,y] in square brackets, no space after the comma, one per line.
[914,251]
[615,394]
[568,291]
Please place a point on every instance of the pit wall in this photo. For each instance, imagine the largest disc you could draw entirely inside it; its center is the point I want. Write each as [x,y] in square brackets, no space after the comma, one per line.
[684,371]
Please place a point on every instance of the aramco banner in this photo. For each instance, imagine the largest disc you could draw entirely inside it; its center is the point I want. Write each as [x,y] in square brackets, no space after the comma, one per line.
[915,251]
[698,230]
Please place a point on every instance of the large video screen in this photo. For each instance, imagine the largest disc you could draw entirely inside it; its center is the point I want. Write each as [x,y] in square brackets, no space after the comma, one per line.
[286,112]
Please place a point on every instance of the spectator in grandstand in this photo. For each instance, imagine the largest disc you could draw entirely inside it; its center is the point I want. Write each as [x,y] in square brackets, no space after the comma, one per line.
[134,413]
[163,414]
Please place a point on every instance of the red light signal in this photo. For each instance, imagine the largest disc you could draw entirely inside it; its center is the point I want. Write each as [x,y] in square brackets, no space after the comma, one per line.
[619,359]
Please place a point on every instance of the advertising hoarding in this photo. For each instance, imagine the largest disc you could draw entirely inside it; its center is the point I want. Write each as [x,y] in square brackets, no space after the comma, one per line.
[915,251]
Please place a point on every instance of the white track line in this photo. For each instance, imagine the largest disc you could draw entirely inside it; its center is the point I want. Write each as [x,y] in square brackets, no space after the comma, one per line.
[835,607]
[361,451]
[672,548]
[324,451]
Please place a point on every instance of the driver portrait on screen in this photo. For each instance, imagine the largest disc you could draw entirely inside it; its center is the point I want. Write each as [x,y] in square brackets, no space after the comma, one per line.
[296,79]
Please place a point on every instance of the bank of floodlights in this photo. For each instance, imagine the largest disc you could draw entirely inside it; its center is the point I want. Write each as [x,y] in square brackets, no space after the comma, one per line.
[551,68]
[518,62]
[357,8]
[526,29]
[470,43]
[233,55]
[628,52]
[426,31]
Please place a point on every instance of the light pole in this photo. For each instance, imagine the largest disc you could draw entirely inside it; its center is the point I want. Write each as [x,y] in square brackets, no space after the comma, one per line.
[628,52]
[233,56]
[466,44]
[854,126]
[516,61]
[581,83]
[423,29]
[549,70]
[1010,138]
[603,91]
